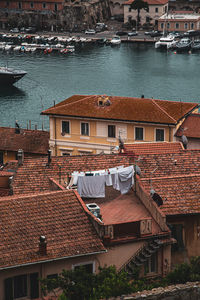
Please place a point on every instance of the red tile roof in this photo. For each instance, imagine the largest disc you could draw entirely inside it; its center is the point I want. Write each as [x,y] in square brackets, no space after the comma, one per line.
[123,108]
[175,177]
[35,174]
[150,2]
[59,216]
[151,148]
[31,141]
[190,127]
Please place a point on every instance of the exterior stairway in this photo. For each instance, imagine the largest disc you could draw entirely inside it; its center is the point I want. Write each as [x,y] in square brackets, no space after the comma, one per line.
[142,255]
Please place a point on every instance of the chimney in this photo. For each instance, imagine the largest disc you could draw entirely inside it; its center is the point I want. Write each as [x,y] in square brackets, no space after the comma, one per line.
[49,157]
[20,157]
[42,245]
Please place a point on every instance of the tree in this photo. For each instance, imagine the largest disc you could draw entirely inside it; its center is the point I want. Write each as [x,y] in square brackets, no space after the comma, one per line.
[138,5]
[78,284]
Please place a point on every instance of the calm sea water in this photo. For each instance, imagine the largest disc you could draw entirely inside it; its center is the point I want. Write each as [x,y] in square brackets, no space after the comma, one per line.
[128,70]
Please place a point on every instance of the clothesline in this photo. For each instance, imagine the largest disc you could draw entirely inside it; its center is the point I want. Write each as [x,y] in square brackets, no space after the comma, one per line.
[92,184]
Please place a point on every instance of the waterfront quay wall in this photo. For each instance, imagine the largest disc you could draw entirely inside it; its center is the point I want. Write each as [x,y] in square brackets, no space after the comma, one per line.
[187,291]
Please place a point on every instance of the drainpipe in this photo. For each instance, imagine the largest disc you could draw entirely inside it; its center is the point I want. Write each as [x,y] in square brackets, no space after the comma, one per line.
[55,138]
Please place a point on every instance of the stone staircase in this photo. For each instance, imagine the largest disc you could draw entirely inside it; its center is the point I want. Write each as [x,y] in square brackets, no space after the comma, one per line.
[142,255]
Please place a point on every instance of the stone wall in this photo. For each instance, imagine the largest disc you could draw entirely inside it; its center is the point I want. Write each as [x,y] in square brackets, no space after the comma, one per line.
[188,291]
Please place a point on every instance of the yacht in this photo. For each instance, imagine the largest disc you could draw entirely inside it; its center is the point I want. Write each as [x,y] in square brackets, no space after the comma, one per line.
[9,76]
[166,42]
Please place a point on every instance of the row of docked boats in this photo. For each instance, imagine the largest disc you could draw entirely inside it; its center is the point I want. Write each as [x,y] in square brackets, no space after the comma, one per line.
[180,45]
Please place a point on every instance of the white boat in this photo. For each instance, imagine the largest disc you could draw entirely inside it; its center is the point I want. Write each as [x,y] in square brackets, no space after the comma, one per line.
[17,48]
[115,40]
[166,42]
[7,47]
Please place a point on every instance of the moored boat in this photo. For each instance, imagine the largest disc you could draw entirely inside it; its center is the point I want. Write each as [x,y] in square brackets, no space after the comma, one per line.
[183,45]
[195,46]
[166,42]
[9,76]
[115,41]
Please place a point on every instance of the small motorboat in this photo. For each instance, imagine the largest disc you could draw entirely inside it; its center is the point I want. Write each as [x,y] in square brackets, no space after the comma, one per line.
[166,42]
[183,45]
[195,46]
[115,41]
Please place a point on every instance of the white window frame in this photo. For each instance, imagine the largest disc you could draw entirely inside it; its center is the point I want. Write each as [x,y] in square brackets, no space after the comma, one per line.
[155,134]
[66,152]
[85,263]
[185,25]
[135,133]
[83,136]
[156,10]
[66,134]
[176,25]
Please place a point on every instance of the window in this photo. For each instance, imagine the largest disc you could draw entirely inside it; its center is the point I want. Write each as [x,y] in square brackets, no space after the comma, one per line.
[177,25]
[43,5]
[192,25]
[162,25]
[19,5]
[84,128]
[52,276]
[89,268]
[66,153]
[32,5]
[56,7]
[111,131]
[168,25]
[139,134]
[129,9]
[156,9]
[65,127]
[159,135]
[186,25]
[151,265]
[21,286]
[1,157]
[7,3]
[177,233]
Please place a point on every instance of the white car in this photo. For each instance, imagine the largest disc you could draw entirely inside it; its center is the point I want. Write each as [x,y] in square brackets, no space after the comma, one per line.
[90,31]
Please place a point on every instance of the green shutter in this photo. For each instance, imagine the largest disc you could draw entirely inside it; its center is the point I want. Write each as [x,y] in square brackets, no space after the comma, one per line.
[8,288]
[34,285]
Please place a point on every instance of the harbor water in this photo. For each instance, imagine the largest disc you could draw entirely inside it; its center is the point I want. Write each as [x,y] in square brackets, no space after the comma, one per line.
[130,69]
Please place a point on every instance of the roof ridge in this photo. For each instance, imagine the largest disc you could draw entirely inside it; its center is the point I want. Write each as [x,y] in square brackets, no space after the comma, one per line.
[82,99]
[163,110]
[172,177]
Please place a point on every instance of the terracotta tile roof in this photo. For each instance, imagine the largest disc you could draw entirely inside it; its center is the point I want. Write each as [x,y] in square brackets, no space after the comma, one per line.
[123,108]
[31,141]
[35,174]
[190,127]
[151,148]
[59,216]
[180,193]
[175,177]
[150,2]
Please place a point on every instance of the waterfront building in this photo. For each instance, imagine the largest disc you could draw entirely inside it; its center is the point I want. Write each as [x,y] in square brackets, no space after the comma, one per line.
[150,16]
[179,21]
[92,124]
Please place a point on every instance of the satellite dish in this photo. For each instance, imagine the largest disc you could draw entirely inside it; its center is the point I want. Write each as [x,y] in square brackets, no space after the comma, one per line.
[137,170]
[157,199]
[184,140]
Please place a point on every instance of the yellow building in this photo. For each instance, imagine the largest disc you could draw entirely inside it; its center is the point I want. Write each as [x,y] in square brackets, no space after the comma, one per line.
[91,124]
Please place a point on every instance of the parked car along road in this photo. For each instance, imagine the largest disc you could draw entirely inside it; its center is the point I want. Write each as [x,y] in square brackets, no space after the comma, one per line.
[120,33]
[90,31]
[133,33]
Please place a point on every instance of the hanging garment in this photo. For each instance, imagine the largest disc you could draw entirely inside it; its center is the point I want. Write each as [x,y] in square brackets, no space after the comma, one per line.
[126,179]
[91,186]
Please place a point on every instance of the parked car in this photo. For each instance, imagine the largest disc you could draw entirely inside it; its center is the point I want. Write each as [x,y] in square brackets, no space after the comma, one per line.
[14,30]
[132,33]
[120,33]
[192,33]
[90,31]
[156,33]
[23,30]
[100,27]
[31,29]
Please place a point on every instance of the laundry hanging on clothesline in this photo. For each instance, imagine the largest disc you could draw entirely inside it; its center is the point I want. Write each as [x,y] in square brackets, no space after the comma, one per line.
[92,184]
